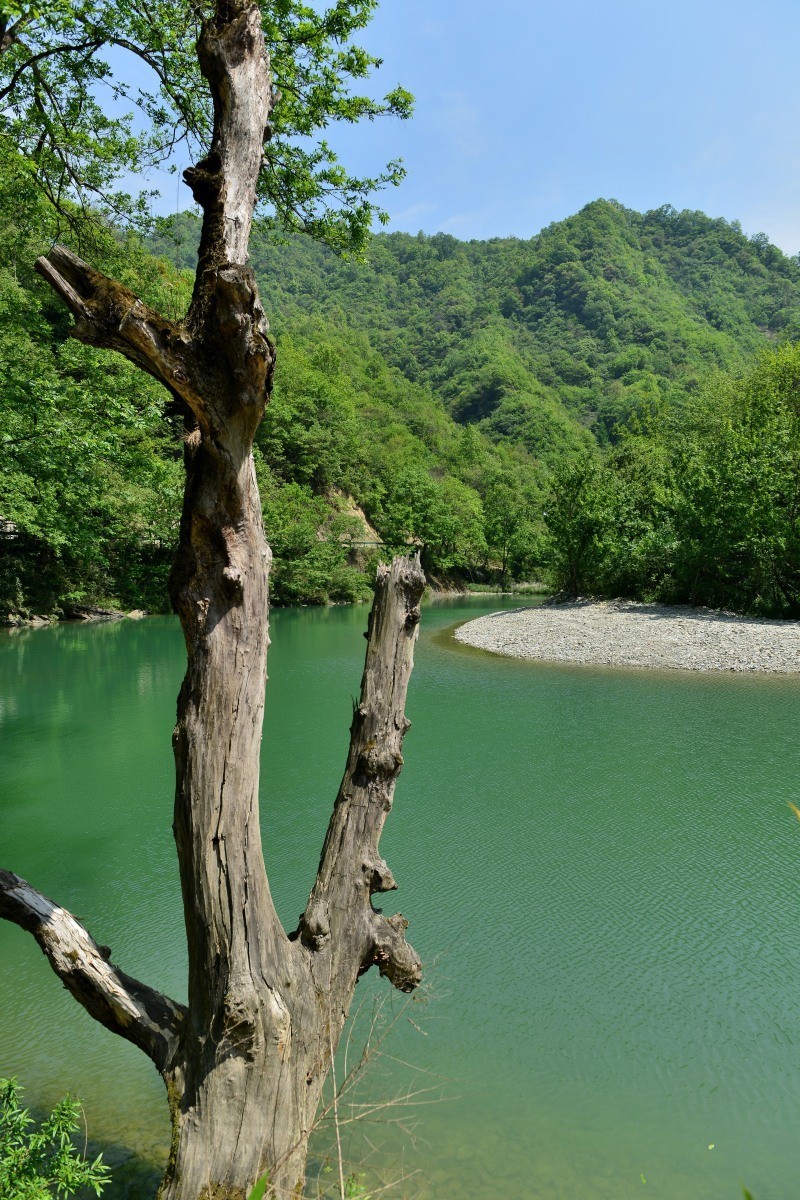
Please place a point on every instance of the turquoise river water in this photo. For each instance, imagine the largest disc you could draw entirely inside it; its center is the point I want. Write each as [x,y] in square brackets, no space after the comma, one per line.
[599,867]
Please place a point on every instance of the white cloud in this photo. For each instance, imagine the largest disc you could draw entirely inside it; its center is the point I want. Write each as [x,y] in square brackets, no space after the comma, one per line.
[462,121]
[413,213]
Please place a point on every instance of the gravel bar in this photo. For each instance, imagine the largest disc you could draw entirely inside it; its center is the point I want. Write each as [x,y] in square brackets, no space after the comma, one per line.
[622,633]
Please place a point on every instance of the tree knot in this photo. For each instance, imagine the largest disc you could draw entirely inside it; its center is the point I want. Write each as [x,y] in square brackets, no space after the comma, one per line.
[232,583]
[380,762]
[314,925]
[204,179]
[392,955]
[380,877]
[412,617]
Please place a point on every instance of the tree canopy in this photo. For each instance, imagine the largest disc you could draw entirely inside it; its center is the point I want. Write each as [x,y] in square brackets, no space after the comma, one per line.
[84,121]
[699,503]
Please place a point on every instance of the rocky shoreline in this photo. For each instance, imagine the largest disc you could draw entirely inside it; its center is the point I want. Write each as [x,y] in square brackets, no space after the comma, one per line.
[623,633]
[79,613]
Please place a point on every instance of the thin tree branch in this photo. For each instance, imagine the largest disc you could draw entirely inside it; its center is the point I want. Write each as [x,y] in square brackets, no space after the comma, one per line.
[165,81]
[124,1005]
[66,48]
[9,35]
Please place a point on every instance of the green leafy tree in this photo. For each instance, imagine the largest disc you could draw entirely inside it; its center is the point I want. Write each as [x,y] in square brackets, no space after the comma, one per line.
[580,519]
[737,471]
[91,474]
[444,517]
[42,1161]
[57,70]
[698,503]
[512,523]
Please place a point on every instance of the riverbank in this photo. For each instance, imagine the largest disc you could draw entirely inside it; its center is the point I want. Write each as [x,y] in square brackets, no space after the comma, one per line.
[624,633]
[78,614]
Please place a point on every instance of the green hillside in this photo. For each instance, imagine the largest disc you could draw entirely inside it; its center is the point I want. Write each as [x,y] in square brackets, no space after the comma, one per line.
[585,323]
[436,394]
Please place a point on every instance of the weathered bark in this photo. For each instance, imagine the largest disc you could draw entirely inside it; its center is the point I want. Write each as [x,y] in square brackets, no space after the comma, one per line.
[249,1092]
[135,1011]
[245,1062]
[230,1120]
[339,914]
[110,316]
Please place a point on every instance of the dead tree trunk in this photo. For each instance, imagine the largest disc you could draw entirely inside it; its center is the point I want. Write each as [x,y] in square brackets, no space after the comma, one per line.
[245,1061]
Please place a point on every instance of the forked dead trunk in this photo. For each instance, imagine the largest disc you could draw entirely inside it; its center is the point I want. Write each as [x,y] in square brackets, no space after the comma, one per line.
[245,1062]
[246,1059]
[266,1010]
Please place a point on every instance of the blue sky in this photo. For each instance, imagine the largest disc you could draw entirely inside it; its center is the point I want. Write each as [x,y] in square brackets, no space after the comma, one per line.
[526,111]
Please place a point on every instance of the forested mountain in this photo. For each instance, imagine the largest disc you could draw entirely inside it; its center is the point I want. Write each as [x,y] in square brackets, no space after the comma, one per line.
[583,324]
[453,394]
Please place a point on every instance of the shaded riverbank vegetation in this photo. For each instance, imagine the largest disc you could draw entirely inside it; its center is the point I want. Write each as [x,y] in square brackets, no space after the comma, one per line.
[580,408]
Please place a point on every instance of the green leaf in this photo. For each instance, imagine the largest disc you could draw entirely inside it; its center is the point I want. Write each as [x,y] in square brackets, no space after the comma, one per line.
[258,1191]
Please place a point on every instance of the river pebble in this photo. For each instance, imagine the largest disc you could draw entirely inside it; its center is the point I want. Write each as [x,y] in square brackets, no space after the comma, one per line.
[623,633]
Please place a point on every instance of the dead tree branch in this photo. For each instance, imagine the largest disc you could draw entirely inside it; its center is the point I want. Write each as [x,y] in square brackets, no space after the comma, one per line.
[340,914]
[110,316]
[124,1005]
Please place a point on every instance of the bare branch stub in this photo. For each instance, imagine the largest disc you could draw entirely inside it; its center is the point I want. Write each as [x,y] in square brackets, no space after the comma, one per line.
[124,1005]
[111,317]
[340,916]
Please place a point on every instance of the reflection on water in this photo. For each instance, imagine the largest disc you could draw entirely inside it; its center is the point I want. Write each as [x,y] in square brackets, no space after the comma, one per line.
[602,864]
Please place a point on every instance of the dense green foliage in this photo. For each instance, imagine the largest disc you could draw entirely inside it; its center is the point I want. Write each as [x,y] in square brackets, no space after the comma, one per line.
[537,341]
[42,1162]
[91,486]
[699,502]
[91,478]
[519,409]
[565,406]
[91,474]
[68,104]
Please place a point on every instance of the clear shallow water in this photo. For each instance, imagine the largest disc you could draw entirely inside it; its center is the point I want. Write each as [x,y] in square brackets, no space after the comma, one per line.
[601,863]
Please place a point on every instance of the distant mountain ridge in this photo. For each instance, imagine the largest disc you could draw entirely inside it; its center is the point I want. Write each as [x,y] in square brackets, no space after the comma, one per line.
[539,341]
